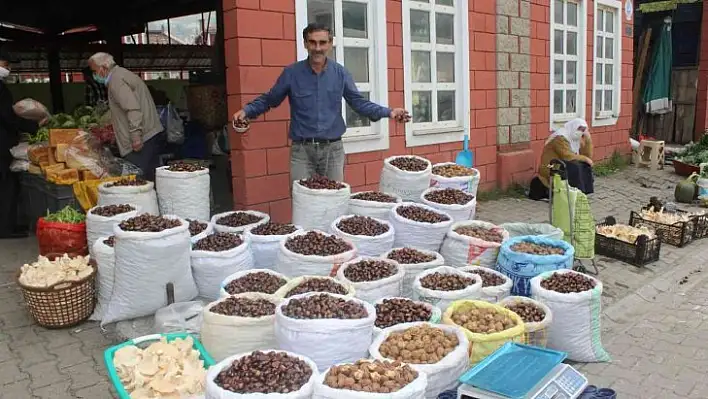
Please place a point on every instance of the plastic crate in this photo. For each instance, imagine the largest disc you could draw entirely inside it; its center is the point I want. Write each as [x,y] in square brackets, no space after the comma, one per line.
[59,196]
[701,230]
[642,252]
[143,342]
[33,199]
[678,234]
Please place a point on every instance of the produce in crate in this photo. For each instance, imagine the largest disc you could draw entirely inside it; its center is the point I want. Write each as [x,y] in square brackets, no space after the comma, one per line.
[45,273]
[625,233]
[256,280]
[382,377]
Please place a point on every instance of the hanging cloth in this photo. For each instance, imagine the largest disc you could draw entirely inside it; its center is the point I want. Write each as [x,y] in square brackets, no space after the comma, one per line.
[657,93]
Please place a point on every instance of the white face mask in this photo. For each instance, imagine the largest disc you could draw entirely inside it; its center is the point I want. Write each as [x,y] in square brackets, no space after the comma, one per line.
[4,72]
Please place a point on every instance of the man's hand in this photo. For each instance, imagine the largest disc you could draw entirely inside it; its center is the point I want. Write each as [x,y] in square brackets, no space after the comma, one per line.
[240,116]
[400,115]
[137,144]
[44,121]
[587,160]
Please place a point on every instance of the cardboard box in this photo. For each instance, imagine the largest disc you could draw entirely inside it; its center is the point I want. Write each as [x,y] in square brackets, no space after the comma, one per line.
[51,168]
[38,154]
[60,152]
[62,136]
[88,175]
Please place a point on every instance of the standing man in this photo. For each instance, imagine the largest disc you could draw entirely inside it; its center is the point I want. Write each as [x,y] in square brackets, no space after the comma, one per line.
[94,93]
[139,133]
[315,88]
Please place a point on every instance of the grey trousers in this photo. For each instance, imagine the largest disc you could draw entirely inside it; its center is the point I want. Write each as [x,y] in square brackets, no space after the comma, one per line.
[325,159]
[148,158]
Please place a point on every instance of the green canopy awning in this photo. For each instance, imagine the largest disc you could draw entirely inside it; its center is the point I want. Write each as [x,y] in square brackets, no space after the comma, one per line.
[657,93]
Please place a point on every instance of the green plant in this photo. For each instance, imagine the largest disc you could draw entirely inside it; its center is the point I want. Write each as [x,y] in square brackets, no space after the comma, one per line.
[615,163]
[515,190]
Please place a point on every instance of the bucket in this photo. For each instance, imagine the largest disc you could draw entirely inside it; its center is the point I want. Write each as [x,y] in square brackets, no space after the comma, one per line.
[702,184]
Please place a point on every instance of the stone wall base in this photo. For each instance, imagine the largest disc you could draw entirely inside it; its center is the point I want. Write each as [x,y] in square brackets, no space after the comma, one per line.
[515,167]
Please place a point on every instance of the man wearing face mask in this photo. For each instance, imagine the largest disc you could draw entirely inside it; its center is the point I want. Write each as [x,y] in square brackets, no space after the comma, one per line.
[315,88]
[11,126]
[136,123]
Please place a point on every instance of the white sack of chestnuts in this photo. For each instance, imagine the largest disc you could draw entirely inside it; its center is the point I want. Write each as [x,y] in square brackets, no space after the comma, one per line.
[240,323]
[407,176]
[183,190]
[414,261]
[443,366]
[105,258]
[199,229]
[316,208]
[576,303]
[101,219]
[473,243]
[374,204]
[305,284]
[217,256]
[327,328]
[265,242]
[460,205]
[238,221]
[373,278]
[264,281]
[370,236]
[366,379]
[495,285]
[140,192]
[452,175]
[419,226]
[313,253]
[391,311]
[529,310]
[443,285]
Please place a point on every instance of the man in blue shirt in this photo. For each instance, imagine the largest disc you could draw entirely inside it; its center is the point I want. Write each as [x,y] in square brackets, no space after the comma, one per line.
[315,88]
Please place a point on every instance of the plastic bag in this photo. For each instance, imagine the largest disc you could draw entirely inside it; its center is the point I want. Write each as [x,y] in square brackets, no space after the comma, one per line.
[435,312]
[317,209]
[293,264]
[326,341]
[173,124]
[143,196]
[20,151]
[185,194]
[461,250]
[419,235]
[378,210]
[533,229]
[210,268]
[102,226]
[413,269]
[372,291]
[214,391]
[209,229]
[19,165]
[224,335]
[145,263]
[468,184]
[483,345]
[221,228]
[105,258]
[283,291]
[443,299]
[31,109]
[266,248]
[414,390]
[407,185]
[179,317]
[576,327]
[85,152]
[536,332]
[442,375]
[522,267]
[58,237]
[494,293]
[238,275]
[459,213]
[367,245]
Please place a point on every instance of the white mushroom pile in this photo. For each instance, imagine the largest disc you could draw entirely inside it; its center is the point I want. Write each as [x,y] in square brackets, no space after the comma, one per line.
[665,217]
[46,273]
[625,233]
[162,370]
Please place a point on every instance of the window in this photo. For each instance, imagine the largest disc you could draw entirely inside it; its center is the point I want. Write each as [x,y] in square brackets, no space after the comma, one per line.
[359,30]
[436,70]
[606,82]
[567,60]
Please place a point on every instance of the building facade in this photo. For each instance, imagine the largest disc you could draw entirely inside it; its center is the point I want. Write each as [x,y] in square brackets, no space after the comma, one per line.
[506,72]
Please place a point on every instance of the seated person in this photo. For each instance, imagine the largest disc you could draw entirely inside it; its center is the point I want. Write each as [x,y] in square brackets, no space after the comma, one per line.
[571,144]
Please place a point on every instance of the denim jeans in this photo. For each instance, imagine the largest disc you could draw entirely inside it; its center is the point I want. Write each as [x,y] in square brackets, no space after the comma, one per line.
[325,159]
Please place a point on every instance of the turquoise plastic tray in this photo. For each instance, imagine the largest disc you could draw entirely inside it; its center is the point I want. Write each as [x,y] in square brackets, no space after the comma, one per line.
[113,375]
[513,370]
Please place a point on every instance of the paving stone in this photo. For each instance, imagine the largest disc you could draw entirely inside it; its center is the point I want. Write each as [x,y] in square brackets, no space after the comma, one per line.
[32,354]
[43,374]
[101,390]
[54,391]
[70,355]
[57,338]
[83,375]
[16,390]
[10,372]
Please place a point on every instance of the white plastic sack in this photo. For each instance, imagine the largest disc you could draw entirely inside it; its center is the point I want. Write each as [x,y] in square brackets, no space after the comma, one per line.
[209,229]
[536,332]
[145,263]
[443,299]
[293,264]
[283,291]
[367,245]
[533,229]
[317,209]
[222,335]
[576,319]
[19,165]
[179,317]
[459,213]
[468,184]
[213,391]
[105,262]
[326,341]
[419,235]
[407,185]
[435,312]
[443,375]
[266,248]
[19,151]
[495,293]
[243,273]
[144,196]
[211,268]
[220,228]
[461,250]
[100,226]
[372,291]
[185,194]
[413,269]
[414,390]
[29,108]
[378,210]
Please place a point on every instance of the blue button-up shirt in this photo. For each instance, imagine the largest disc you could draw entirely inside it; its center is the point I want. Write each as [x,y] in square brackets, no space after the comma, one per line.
[316,100]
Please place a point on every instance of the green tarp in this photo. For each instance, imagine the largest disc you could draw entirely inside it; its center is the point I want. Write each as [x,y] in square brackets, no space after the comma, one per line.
[657,93]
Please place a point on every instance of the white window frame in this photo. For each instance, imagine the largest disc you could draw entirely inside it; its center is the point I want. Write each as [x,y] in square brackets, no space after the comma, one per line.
[557,120]
[608,118]
[376,136]
[418,134]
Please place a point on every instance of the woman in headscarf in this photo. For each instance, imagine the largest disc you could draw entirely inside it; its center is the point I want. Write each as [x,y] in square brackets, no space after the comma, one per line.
[571,144]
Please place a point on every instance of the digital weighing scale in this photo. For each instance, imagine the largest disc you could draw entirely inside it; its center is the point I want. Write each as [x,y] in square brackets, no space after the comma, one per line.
[517,371]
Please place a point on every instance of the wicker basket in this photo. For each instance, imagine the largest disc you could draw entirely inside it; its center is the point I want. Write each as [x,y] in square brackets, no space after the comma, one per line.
[64,304]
